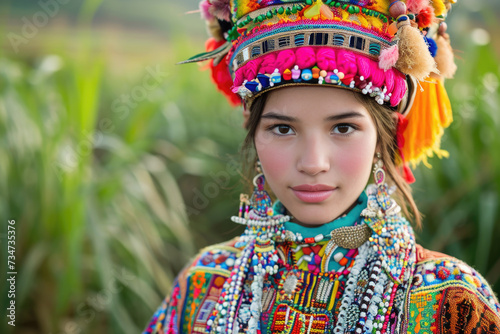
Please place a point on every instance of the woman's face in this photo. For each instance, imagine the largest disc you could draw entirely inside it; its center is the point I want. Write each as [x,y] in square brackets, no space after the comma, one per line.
[317,147]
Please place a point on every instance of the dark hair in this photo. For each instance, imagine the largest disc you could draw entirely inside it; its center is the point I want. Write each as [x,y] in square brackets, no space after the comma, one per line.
[386,128]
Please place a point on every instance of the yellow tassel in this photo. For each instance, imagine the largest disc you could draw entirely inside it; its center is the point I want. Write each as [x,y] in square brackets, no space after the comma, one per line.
[414,56]
[429,116]
[444,57]
[439,7]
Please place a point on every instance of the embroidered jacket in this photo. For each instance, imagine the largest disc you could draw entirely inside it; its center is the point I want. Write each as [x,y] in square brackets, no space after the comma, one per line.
[442,294]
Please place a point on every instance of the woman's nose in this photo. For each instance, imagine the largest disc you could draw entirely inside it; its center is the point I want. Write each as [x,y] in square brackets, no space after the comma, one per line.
[314,156]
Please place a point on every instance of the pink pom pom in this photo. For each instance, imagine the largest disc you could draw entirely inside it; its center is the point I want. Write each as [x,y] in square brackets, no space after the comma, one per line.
[268,63]
[221,9]
[346,62]
[285,59]
[247,72]
[415,6]
[205,10]
[389,80]
[364,66]
[388,57]
[378,77]
[305,57]
[326,59]
[238,77]
[399,88]
[251,68]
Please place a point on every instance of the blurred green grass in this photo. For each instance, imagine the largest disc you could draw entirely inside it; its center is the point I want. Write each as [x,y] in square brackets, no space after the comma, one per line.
[112,194]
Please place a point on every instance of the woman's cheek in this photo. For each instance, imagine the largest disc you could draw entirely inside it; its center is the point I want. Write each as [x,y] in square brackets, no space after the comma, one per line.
[356,160]
[274,160]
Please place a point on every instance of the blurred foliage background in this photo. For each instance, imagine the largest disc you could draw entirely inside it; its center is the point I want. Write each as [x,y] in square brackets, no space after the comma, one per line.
[117,165]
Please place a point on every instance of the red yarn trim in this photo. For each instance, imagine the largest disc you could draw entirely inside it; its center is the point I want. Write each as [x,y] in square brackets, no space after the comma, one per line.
[400,140]
[220,74]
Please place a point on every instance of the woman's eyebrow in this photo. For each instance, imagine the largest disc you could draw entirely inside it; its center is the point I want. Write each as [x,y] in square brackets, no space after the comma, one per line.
[273,115]
[350,114]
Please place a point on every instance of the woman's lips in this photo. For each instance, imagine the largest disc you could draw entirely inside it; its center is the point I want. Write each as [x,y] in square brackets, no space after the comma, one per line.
[313,193]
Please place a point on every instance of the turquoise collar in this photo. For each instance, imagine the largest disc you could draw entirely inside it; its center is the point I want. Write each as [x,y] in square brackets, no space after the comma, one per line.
[346,220]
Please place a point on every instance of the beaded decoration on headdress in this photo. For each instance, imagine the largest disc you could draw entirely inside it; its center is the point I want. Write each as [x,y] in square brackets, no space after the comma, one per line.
[373,47]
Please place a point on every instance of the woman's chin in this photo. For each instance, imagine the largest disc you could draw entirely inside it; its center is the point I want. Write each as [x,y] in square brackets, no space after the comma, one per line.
[312,219]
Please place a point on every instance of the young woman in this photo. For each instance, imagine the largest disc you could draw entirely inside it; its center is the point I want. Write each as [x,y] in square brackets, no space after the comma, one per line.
[329,97]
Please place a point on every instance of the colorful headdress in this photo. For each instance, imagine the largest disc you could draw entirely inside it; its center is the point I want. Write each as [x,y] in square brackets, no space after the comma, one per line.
[382,48]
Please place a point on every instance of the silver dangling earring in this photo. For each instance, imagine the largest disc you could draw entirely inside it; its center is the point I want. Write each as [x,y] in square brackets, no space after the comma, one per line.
[257,259]
[378,171]
[260,200]
[257,209]
[380,204]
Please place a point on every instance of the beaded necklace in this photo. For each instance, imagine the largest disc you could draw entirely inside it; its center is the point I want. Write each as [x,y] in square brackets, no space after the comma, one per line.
[372,301]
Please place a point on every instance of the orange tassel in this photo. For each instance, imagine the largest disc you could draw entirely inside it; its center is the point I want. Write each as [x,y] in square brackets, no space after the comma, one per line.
[429,116]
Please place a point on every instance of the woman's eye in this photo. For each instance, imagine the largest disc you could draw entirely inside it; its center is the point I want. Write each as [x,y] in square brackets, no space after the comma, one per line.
[282,129]
[343,129]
